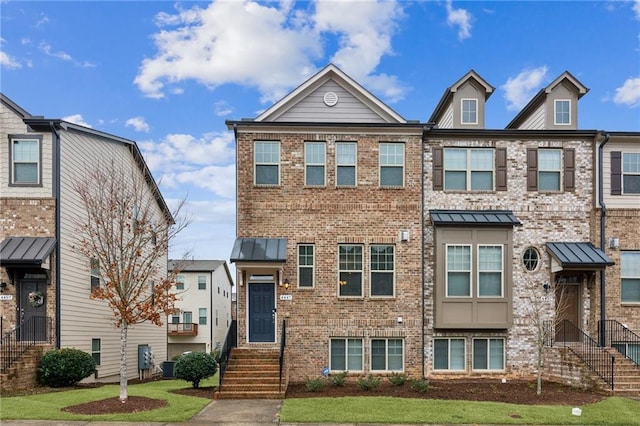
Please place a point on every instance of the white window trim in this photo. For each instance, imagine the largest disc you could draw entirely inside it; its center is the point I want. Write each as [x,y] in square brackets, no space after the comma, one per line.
[354,165]
[555,112]
[478,271]
[446,270]
[462,120]
[622,277]
[361,271]
[560,171]
[488,339]
[464,355]
[371,271]
[468,170]
[38,181]
[624,173]
[346,353]
[403,166]
[206,316]
[386,354]
[312,267]
[98,352]
[93,275]
[307,164]
[256,164]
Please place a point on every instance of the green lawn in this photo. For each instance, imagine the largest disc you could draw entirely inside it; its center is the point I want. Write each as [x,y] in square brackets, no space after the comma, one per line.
[48,406]
[612,411]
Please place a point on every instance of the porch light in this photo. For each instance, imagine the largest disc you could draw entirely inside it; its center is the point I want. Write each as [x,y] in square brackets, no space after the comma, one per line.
[3,285]
[285,284]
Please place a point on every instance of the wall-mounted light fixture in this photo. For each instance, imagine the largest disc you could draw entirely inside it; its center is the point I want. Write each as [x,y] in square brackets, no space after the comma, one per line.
[614,243]
[3,285]
[285,284]
[404,235]
[546,286]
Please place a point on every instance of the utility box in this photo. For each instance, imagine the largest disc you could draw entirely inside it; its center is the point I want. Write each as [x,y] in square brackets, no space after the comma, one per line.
[145,357]
[167,369]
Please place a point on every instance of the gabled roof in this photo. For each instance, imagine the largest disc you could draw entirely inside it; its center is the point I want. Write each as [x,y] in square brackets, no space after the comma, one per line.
[259,250]
[194,265]
[14,106]
[26,251]
[330,72]
[473,218]
[541,96]
[578,255]
[447,97]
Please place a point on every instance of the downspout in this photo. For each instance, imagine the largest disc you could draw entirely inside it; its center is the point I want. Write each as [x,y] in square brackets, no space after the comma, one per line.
[603,214]
[425,129]
[56,196]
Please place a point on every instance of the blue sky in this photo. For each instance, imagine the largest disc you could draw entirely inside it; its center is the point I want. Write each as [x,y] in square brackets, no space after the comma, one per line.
[168,74]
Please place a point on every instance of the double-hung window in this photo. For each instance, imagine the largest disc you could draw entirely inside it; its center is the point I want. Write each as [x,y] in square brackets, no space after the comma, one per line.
[26,161]
[468,169]
[202,316]
[346,355]
[314,159]
[180,282]
[469,111]
[346,154]
[96,350]
[488,354]
[350,270]
[95,273]
[387,355]
[562,111]
[382,270]
[490,261]
[631,173]
[392,164]
[549,169]
[305,265]
[630,276]
[267,163]
[458,271]
[202,282]
[449,354]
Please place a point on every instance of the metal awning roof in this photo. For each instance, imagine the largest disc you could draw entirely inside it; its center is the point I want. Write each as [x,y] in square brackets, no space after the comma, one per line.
[259,250]
[26,251]
[474,218]
[582,256]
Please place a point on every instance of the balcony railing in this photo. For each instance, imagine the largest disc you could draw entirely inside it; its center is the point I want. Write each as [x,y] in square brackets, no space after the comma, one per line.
[621,338]
[182,329]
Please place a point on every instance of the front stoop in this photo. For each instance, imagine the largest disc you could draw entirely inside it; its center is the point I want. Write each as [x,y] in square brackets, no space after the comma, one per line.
[252,374]
[626,375]
[23,372]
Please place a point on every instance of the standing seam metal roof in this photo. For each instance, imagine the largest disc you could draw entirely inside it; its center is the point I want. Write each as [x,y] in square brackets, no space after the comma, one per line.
[259,250]
[26,250]
[474,217]
[581,254]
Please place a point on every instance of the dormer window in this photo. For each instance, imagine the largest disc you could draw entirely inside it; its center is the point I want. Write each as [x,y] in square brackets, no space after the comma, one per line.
[562,108]
[469,111]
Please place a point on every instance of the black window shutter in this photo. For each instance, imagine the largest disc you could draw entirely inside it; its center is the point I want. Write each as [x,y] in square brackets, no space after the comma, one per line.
[616,173]
[569,155]
[501,169]
[438,165]
[532,169]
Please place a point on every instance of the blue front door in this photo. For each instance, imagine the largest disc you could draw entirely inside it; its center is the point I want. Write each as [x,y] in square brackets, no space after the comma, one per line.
[262,312]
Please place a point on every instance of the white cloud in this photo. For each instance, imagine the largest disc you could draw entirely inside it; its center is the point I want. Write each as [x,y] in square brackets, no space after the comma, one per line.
[461,18]
[221,180]
[8,62]
[42,21]
[629,93]
[76,119]
[222,108]
[271,46]
[46,48]
[636,8]
[138,124]
[520,89]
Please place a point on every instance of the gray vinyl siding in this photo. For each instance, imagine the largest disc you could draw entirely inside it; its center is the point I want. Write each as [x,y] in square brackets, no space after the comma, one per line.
[313,109]
[536,121]
[446,122]
[83,319]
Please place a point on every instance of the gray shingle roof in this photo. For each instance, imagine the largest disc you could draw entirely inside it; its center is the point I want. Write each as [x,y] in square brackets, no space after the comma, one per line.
[259,250]
[474,217]
[26,250]
[579,255]
[194,265]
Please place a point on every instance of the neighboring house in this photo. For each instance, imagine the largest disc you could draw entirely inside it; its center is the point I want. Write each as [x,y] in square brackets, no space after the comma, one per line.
[41,160]
[374,244]
[204,289]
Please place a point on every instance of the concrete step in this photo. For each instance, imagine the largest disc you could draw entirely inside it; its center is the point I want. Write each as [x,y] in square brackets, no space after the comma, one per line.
[249,395]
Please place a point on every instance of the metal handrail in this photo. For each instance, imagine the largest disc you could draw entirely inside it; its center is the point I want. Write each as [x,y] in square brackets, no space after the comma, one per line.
[32,331]
[587,349]
[620,338]
[230,342]
[283,345]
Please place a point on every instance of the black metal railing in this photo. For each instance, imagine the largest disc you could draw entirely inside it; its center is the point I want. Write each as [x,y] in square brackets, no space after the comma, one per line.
[32,331]
[283,346]
[230,342]
[587,349]
[619,337]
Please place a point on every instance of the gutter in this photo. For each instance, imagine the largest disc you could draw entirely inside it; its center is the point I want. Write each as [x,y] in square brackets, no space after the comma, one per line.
[56,197]
[603,214]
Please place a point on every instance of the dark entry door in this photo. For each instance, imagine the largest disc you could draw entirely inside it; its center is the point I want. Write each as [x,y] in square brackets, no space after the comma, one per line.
[262,313]
[568,308]
[32,310]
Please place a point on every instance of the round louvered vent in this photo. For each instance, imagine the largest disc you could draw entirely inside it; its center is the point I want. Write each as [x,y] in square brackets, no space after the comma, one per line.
[330,99]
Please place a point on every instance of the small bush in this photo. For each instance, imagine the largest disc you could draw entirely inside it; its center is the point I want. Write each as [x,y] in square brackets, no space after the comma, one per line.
[398,379]
[421,385]
[314,385]
[65,367]
[338,379]
[195,366]
[369,383]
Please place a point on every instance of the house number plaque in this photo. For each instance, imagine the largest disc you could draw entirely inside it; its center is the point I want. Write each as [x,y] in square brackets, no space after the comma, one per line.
[6,296]
[286,297]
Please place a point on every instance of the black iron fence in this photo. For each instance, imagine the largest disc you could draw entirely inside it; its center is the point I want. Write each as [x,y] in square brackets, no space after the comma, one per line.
[230,342]
[32,331]
[283,346]
[619,337]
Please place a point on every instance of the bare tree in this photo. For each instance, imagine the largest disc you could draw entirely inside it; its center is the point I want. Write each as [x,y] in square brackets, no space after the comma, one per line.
[125,234]
[546,305]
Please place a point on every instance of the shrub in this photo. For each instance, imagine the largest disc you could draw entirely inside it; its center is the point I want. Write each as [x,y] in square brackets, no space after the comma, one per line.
[65,367]
[369,383]
[195,366]
[421,385]
[398,379]
[338,379]
[314,385]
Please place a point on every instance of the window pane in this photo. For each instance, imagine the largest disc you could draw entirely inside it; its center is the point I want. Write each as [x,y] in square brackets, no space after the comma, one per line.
[266,175]
[267,152]
[350,284]
[305,277]
[549,159]
[314,153]
[315,175]
[455,180]
[482,181]
[469,111]
[346,154]
[496,354]
[338,351]
[391,176]
[381,284]
[458,284]
[631,184]
[549,181]
[391,154]
[480,354]
[631,162]
[455,159]
[490,270]
[378,355]
[440,354]
[630,264]
[346,176]
[457,354]
[25,151]
[458,271]
[354,355]
[186,317]
[490,284]
[395,355]
[630,291]
[95,345]
[25,172]
[562,112]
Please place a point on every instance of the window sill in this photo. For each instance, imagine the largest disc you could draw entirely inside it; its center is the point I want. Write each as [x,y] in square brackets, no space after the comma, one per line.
[256,185]
[350,297]
[630,304]
[391,187]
